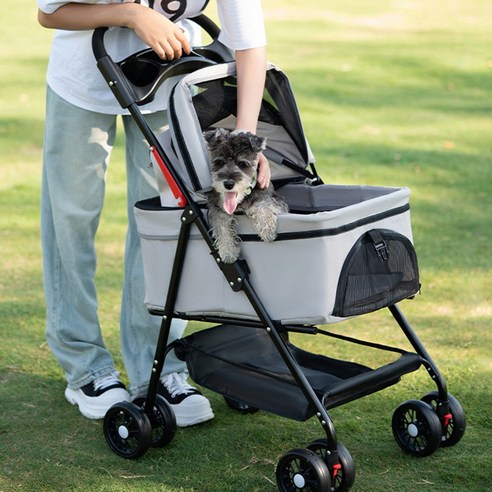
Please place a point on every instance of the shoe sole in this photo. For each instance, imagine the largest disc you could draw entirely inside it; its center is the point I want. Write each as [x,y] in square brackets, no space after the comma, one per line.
[193,410]
[72,398]
[189,421]
[93,412]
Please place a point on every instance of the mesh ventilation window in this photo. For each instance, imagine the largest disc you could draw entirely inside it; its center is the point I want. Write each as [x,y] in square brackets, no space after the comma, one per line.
[215,100]
[380,270]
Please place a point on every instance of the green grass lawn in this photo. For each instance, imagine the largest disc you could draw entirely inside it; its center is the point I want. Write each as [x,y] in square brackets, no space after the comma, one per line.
[393,93]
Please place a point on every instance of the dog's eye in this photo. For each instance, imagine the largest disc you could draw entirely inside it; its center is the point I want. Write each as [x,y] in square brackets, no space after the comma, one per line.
[243,164]
[218,162]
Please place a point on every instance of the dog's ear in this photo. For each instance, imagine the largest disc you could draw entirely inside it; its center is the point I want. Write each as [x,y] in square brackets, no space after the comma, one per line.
[215,137]
[257,143]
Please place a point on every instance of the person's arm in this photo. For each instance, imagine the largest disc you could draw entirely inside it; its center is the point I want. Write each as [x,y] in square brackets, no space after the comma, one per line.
[158,32]
[251,71]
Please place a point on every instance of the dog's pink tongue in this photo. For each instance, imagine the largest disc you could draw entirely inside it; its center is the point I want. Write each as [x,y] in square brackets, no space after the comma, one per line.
[230,202]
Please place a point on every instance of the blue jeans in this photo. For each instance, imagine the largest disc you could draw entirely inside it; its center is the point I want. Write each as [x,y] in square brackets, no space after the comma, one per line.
[77,149]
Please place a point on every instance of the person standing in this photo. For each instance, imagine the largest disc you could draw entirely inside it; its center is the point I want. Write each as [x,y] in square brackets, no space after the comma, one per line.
[81,115]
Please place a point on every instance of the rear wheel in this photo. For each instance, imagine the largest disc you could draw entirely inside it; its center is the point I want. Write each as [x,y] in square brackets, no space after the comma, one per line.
[239,406]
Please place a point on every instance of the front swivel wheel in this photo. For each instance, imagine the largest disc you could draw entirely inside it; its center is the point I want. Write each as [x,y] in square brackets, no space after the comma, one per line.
[302,470]
[453,423]
[342,478]
[416,428]
[127,430]
[162,421]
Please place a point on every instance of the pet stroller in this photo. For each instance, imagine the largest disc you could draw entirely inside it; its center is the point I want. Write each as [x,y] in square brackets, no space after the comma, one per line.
[357,257]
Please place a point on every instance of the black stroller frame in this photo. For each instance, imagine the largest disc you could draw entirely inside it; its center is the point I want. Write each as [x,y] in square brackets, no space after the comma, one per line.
[419,426]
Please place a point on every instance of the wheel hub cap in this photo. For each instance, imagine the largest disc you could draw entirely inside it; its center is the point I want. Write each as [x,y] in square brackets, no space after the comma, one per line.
[123,432]
[413,430]
[299,481]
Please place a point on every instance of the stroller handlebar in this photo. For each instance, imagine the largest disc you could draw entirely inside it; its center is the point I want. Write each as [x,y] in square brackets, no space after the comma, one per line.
[137,78]
[98,47]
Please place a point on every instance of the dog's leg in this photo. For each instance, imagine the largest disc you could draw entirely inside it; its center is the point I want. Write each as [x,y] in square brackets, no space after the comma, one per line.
[263,214]
[227,240]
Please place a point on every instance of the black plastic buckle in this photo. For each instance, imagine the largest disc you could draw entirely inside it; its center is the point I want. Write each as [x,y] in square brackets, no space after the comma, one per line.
[382,251]
[379,245]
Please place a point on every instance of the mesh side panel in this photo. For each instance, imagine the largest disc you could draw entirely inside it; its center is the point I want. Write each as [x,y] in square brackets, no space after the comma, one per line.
[377,273]
[215,100]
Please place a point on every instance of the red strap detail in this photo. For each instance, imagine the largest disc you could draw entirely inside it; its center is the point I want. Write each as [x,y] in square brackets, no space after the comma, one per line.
[178,194]
[447,418]
[336,468]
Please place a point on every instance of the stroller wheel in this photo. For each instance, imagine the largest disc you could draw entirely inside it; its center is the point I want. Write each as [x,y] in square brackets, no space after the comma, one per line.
[417,428]
[453,424]
[302,469]
[239,406]
[162,421]
[343,479]
[127,430]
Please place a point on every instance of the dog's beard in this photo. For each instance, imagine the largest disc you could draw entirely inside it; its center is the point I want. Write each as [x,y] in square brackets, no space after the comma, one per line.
[230,199]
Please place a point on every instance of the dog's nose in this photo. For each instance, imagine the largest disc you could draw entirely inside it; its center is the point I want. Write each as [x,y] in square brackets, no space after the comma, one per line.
[229,184]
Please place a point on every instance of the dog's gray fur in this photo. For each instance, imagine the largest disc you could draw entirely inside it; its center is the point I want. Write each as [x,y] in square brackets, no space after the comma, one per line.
[233,165]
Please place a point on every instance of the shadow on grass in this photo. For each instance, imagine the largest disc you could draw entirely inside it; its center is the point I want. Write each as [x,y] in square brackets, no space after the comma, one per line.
[46,445]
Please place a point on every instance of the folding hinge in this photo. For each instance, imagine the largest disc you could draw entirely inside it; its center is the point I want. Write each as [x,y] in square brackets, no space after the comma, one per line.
[188,215]
[235,273]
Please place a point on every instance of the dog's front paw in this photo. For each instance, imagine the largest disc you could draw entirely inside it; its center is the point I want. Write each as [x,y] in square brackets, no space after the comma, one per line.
[268,235]
[229,256]
[265,225]
[228,250]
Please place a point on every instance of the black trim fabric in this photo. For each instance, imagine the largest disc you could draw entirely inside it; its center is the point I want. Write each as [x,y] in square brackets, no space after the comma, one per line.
[290,236]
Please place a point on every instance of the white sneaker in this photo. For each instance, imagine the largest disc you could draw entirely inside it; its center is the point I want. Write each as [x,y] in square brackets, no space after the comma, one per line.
[95,399]
[189,405]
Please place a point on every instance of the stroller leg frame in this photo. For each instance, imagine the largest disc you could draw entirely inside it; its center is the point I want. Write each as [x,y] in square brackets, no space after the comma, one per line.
[446,406]
[321,413]
[436,376]
[187,219]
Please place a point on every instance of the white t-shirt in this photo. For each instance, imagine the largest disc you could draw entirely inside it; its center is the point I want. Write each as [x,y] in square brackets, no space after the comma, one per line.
[72,71]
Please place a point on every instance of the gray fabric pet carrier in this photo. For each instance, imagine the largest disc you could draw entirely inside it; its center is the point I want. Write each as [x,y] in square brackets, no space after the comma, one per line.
[341,251]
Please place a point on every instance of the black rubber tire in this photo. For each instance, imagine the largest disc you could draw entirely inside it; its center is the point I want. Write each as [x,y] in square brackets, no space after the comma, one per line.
[454,429]
[302,470]
[162,420]
[239,406]
[416,428]
[127,430]
[345,476]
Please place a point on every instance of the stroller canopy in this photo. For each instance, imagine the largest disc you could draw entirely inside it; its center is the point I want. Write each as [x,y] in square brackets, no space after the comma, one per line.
[207,99]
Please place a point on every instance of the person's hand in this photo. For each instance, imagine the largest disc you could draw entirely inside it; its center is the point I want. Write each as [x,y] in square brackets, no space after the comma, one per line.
[166,38]
[264,173]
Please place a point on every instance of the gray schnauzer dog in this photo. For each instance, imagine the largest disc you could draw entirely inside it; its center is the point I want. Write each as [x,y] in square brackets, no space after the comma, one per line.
[234,165]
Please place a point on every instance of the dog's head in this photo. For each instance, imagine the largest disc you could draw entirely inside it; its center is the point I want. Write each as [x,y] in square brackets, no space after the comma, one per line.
[233,164]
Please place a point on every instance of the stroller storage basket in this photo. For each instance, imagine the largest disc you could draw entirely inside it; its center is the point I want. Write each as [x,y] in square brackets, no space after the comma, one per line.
[351,257]
[243,364]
